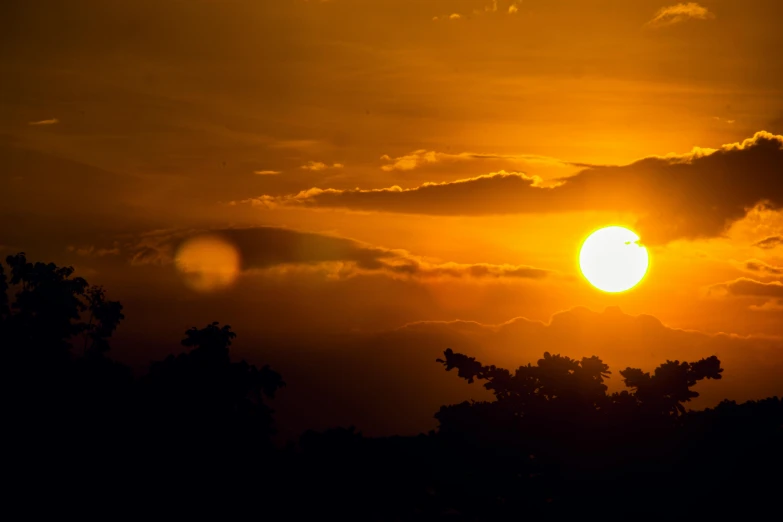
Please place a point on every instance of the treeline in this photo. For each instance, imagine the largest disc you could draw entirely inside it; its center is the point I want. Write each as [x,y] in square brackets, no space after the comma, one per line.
[193,433]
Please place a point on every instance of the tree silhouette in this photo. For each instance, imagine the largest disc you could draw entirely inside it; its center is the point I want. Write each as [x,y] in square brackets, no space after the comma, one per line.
[58,407]
[207,401]
[558,390]
[44,316]
[205,379]
[559,413]
[552,444]
[670,385]
[567,385]
[71,408]
[105,316]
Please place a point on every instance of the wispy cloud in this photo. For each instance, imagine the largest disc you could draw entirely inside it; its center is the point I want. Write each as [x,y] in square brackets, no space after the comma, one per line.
[422,199]
[266,172]
[723,120]
[745,287]
[319,165]
[90,251]
[453,16]
[773,305]
[280,249]
[422,157]
[769,242]
[52,121]
[491,7]
[762,268]
[675,14]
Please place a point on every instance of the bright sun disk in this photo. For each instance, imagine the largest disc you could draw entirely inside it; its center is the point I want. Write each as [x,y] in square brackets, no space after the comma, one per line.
[612,259]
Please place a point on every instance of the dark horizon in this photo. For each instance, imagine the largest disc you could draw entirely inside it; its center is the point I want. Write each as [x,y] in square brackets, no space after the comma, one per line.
[548,437]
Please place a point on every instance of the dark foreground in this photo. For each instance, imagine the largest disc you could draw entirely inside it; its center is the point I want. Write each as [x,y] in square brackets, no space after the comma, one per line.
[82,437]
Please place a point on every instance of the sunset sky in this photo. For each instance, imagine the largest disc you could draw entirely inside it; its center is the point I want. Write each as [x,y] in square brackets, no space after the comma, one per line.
[391,178]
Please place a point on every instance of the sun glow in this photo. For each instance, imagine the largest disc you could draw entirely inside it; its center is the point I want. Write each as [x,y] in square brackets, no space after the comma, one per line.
[612,259]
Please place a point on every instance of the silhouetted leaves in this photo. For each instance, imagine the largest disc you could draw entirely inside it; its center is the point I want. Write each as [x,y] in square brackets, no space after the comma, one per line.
[553,444]
[46,309]
[214,407]
[671,383]
[105,316]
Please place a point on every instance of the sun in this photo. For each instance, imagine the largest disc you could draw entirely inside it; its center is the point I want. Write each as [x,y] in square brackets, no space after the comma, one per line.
[612,259]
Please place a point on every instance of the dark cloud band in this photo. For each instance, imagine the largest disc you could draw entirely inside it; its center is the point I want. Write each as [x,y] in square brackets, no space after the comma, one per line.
[268,247]
[676,197]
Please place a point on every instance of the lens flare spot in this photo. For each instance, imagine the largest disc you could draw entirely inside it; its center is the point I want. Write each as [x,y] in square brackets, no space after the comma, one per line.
[207,263]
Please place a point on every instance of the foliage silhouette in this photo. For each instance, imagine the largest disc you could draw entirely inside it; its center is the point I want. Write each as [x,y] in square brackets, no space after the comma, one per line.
[197,428]
[105,317]
[68,406]
[202,393]
[559,414]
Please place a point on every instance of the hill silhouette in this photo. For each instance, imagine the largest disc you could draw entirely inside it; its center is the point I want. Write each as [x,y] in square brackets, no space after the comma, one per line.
[194,433]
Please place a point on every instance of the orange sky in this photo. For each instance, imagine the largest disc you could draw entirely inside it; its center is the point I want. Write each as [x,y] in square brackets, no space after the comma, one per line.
[389,162]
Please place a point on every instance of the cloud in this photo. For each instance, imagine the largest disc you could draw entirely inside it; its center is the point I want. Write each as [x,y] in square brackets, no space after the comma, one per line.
[744,287]
[410,161]
[677,196]
[319,165]
[91,251]
[265,248]
[468,196]
[769,242]
[453,16]
[774,305]
[675,14]
[266,172]
[151,255]
[52,121]
[724,120]
[420,158]
[416,268]
[760,267]
[488,8]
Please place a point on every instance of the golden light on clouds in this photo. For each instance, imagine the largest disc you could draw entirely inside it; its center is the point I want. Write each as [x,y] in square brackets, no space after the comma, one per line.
[612,259]
[50,121]
[678,13]
[207,263]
